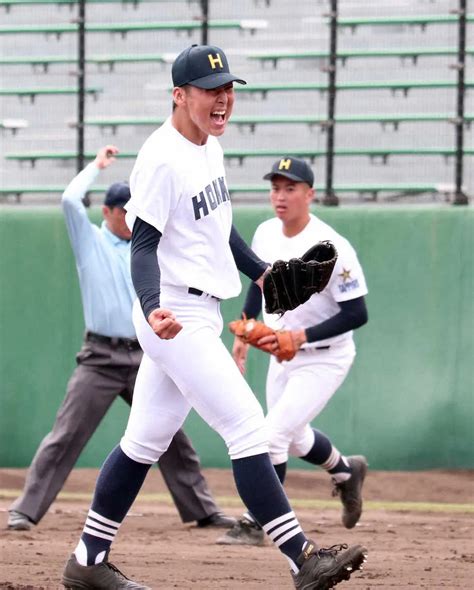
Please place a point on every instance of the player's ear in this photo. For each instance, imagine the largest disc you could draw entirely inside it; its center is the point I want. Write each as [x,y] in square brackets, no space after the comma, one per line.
[179,95]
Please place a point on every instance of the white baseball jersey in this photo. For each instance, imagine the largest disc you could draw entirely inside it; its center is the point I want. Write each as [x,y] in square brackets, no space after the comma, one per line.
[347,281]
[179,188]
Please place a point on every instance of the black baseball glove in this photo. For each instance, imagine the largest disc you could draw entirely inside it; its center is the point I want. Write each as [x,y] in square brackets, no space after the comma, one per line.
[289,284]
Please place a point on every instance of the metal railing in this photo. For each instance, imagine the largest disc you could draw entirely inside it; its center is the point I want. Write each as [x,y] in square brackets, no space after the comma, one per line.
[330,198]
[334,59]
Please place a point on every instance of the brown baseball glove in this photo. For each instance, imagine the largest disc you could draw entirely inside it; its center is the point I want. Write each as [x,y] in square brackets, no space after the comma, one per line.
[251,331]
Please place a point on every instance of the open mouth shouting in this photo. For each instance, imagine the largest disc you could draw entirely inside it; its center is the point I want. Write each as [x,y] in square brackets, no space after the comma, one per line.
[218,117]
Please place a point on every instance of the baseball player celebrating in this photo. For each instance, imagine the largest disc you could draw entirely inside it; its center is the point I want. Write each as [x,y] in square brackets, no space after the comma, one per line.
[107,363]
[185,259]
[320,331]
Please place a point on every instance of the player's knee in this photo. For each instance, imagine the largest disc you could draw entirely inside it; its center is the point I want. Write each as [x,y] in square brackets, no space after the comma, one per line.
[279,442]
[141,452]
[278,455]
[302,444]
[250,438]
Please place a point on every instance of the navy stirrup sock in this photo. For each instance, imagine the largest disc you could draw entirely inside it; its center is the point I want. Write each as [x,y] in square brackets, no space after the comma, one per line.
[263,494]
[321,449]
[324,454]
[281,472]
[117,486]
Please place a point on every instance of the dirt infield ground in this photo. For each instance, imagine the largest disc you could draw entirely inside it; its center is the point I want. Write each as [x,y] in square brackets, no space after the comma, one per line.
[418,528]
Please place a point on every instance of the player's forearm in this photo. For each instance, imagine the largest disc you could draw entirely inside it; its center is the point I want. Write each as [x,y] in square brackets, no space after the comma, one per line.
[253,301]
[145,269]
[245,258]
[353,315]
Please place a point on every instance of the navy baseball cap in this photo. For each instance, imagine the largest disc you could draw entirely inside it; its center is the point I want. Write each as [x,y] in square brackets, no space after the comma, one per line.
[204,66]
[292,168]
[117,194]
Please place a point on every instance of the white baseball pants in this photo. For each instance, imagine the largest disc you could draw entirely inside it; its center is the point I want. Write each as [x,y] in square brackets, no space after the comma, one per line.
[297,392]
[194,369]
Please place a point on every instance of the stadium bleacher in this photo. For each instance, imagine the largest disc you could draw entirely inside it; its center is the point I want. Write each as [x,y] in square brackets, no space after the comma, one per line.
[13,125]
[400,85]
[32,93]
[241,154]
[376,90]
[403,53]
[128,27]
[44,62]
[252,121]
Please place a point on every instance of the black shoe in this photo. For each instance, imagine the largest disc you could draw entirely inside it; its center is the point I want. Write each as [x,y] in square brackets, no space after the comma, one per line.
[350,491]
[324,568]
[103,576]
[217,520]
[17,521]
[244,532]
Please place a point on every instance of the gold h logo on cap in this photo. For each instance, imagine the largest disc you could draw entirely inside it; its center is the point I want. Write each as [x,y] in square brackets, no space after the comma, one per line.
[215,60]
[284,164]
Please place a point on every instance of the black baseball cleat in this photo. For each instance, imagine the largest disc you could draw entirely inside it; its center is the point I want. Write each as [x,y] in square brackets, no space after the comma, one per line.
[350,491]
[217,520]
[103,576]
[321,569]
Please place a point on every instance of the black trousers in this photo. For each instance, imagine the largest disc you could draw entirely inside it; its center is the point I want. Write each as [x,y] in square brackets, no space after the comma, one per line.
[103,373]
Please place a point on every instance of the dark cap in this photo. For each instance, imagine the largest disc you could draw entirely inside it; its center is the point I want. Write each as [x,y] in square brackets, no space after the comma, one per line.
[292,168]
[204,66]
[117,194]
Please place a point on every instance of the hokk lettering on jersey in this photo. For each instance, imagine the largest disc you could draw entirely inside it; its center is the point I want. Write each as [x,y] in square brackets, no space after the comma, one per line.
[210,198]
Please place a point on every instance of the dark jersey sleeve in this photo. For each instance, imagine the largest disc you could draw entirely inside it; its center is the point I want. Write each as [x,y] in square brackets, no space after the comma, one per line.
[144,265]
[245,258]
[352,315]
[253,301]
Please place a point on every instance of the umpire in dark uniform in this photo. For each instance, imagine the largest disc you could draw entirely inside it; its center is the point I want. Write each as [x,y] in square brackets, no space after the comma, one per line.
[107,363]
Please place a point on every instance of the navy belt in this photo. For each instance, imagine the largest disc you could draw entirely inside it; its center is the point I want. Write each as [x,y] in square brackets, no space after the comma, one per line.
[311,348]
[114,342]
[194,291]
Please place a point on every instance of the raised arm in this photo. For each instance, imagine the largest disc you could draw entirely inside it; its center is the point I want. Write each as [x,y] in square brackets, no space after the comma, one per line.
[80,229]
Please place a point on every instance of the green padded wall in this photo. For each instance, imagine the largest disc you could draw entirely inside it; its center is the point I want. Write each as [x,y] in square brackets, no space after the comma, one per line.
[407,403]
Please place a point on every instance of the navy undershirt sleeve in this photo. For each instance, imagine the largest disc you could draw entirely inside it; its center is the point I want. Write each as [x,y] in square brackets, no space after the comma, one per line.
[144,265]
[245,258]
[253,302]
[352,315]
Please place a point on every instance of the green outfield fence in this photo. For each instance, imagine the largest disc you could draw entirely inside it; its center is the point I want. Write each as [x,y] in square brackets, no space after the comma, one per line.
[407,403]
